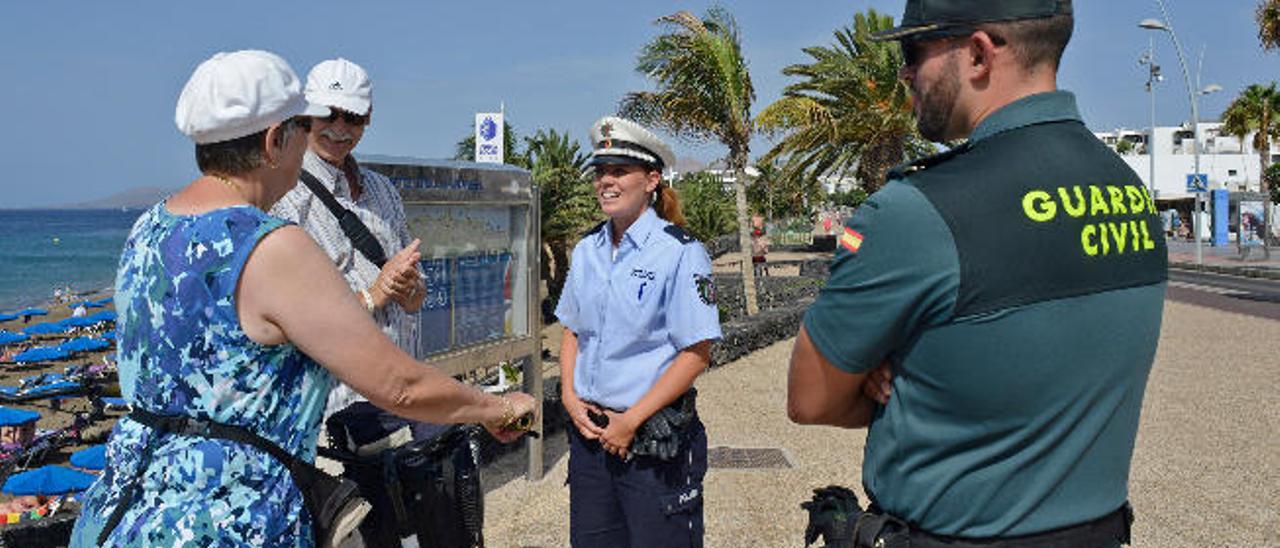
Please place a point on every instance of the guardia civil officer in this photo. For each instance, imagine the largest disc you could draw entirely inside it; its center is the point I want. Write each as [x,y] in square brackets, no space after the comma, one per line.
[1015,286]
[640,315]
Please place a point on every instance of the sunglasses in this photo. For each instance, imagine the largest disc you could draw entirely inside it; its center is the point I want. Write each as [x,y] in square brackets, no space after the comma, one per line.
[302,122]
[350,118]
[914,51]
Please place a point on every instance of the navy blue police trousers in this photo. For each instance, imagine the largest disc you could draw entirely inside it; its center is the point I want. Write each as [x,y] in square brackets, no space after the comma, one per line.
[640,503]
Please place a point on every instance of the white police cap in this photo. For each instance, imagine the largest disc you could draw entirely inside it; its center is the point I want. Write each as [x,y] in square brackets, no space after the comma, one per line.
[621,141]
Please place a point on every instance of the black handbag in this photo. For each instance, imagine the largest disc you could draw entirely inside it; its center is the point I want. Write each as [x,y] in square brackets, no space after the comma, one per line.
[334,503]
[428,488]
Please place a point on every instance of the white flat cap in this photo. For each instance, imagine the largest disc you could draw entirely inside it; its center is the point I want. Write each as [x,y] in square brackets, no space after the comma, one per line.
[339,83]
[621,141]
[232,95]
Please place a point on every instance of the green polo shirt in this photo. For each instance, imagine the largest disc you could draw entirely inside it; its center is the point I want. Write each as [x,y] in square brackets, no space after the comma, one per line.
[1016,284]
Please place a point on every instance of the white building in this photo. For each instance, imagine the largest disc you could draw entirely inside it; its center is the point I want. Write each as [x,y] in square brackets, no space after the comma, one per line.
[1228,162]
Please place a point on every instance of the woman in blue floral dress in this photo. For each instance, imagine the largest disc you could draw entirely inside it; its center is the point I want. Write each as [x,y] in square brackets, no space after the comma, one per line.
[222,309]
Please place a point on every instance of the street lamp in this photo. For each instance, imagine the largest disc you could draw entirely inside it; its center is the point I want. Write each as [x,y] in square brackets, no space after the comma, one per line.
[1148,60]
[1193,94]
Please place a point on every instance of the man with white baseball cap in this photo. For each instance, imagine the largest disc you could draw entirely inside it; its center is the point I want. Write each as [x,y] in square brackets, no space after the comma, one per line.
[392,291]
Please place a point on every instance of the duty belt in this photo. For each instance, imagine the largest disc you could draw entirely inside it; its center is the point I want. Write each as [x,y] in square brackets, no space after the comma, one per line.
[663,435]
[879,530]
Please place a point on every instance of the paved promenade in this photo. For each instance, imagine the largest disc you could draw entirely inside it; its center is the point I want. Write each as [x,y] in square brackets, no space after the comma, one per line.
[1206,469]
[1183,254]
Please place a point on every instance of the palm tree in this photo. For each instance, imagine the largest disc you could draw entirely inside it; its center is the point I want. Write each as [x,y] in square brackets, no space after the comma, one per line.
[703,93]
[567,202]
[708,208]
[849,112]
[1257,111]
[1268,16]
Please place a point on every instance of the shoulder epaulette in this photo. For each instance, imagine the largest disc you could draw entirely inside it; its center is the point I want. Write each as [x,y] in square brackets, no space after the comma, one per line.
[902,170]
[679,234]
[595,229]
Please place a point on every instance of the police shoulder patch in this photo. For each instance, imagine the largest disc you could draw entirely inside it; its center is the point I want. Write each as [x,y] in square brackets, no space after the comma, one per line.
[706,289]
[679,234]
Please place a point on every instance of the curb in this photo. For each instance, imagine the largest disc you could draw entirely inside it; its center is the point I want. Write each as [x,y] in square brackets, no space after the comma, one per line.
[1266,273]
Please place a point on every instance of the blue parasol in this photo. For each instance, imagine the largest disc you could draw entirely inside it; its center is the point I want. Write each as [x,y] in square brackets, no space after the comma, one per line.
[104,316]
[104,301]
[32,312]
[40,354]
[10,338]
[77,322]
[48,480]
[14,417]
[49,328]
[84,344]
[90,458]
[7,317]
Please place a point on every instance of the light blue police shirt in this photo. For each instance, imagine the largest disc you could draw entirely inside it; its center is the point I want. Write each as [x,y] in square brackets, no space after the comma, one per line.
[633,313]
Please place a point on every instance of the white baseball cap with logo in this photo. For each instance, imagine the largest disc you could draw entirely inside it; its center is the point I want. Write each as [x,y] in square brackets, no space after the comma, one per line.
[232,95]
[339,83]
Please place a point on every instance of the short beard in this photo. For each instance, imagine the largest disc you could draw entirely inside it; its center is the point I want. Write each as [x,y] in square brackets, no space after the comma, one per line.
[938,102]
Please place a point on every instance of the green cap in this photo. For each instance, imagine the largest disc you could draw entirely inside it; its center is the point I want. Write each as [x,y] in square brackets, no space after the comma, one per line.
[951,17]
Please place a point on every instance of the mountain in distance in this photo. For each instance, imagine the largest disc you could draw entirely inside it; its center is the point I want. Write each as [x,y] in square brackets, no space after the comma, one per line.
[133,198]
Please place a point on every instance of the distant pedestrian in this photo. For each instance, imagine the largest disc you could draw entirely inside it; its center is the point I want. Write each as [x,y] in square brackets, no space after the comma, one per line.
[1015,286]
[639,314]
[759,246]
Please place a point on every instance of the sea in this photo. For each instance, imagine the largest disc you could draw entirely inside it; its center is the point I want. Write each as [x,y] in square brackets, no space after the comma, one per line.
[44,250]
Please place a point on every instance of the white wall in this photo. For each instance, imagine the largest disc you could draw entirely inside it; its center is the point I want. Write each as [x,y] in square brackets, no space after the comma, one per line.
[1172,171]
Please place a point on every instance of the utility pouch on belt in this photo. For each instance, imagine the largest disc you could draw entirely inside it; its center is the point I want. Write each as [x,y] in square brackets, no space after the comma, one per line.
[422,479]
[833,513]
[334,503]
[662,436]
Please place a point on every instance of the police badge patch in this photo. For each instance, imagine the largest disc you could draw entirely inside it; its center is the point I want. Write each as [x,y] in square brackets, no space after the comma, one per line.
[706,289]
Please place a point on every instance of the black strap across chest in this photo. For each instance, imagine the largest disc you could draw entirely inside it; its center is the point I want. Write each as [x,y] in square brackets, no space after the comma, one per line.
[361,238]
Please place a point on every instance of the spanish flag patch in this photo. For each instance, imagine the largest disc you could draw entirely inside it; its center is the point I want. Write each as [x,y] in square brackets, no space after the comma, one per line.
[851,240]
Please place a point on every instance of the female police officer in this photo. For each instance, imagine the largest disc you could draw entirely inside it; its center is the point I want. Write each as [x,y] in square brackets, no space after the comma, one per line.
[640,315]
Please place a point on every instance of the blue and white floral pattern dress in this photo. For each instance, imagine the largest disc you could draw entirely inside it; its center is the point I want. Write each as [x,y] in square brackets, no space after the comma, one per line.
[182,352]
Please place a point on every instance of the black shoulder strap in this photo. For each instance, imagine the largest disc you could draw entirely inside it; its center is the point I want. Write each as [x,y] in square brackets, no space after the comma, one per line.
[302,472]
[351,224]
[679,233]
[596,228]
[902,170]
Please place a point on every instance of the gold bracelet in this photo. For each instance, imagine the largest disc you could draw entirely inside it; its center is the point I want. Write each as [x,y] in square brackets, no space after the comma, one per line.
[508,413]
[368,300]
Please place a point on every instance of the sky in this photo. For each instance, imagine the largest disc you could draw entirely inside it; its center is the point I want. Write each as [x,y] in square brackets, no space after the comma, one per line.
[90,87]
